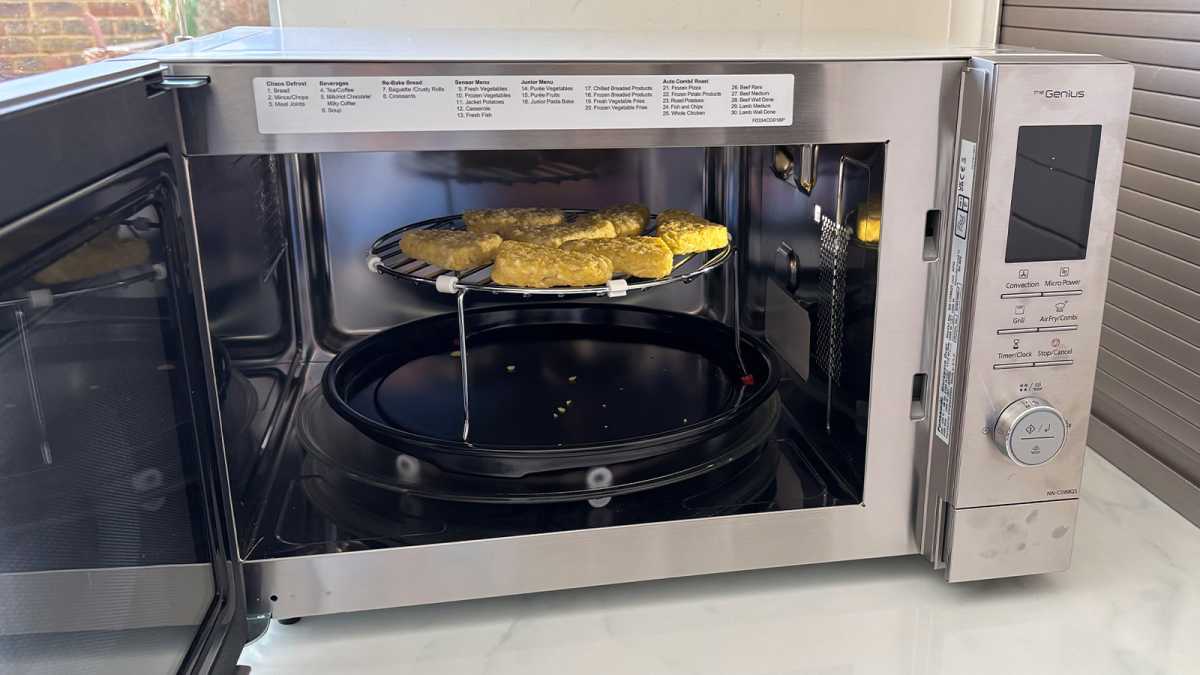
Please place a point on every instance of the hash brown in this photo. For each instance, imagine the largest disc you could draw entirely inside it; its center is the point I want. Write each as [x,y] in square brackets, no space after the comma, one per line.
[557,235]
[500,221]
[685,232]
[534,266]
[451,249]
[646,257]
[628,220]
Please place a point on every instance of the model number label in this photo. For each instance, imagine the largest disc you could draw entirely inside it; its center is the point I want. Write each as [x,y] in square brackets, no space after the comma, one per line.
[952,327]
[303,105]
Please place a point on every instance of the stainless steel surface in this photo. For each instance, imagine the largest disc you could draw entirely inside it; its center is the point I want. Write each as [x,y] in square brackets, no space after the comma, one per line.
[248,271]
[386,258]
[880,526]
[247,44]
[305,209]
[788,328]
[63,601]
[361,580]
[1030,432]
[933,470]
[1010,540]
[982,476]
[835,102]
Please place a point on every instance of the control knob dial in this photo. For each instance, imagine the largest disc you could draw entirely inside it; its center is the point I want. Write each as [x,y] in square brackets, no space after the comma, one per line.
[1030,431]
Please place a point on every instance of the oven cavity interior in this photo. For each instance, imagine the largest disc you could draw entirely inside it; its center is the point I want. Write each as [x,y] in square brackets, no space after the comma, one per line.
[440,404]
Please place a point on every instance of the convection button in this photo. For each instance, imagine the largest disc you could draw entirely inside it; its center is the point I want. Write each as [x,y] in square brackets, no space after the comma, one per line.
[1010,366]
[1025,294]
[1055,294]
[1057,329]
[1013,331]
[1044,364]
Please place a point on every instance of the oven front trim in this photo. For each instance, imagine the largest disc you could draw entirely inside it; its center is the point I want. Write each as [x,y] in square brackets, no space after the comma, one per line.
[835,102]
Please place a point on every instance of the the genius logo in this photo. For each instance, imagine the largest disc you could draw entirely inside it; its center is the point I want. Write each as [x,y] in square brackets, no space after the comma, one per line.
[1060,93]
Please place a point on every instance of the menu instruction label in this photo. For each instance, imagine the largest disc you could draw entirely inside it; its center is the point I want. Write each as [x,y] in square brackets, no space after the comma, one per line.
[314,105]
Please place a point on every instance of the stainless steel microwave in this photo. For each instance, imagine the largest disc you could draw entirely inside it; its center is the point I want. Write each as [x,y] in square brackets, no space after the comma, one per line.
[200,277]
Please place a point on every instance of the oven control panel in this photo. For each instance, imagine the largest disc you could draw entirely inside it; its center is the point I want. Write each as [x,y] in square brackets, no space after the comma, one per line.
[1037,329]
[1034,210]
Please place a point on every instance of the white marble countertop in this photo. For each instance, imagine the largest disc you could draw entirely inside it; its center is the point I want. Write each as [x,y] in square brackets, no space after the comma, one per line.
[1129,604]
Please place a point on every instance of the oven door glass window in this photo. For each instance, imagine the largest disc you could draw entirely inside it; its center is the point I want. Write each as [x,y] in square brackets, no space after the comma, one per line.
[104,556]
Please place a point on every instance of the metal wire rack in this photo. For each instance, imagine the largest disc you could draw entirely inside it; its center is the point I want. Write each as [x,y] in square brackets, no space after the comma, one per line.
[44,297]
[386,258]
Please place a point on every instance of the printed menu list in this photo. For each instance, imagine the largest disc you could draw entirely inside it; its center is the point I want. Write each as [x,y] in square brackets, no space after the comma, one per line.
[515,102]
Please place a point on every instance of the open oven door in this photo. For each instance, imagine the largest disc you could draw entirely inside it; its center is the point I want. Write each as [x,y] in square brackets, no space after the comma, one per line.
[117,550]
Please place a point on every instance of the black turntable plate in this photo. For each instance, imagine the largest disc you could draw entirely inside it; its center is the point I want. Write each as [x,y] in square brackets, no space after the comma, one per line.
[552,387]
[746,484]
[339,445]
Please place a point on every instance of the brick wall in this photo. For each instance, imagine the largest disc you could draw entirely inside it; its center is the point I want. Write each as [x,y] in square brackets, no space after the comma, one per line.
[41,35]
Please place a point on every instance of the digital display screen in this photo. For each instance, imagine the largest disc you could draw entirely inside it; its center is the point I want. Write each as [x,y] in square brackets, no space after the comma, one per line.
[1053,185]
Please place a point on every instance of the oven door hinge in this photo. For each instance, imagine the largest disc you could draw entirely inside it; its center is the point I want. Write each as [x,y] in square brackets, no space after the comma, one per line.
[942,532]
[174,82]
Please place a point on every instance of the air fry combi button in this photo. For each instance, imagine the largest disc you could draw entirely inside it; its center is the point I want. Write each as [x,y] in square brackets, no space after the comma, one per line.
[1039,329]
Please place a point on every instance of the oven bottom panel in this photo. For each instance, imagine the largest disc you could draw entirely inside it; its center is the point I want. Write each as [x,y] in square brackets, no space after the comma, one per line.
[316,541]
[397,577]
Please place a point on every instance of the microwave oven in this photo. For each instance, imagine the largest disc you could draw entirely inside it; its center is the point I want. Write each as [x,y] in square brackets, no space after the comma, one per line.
[229,395]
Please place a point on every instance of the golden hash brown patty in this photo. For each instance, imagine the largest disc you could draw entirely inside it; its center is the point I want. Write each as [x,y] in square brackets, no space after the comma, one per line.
[557,235]
[628,220]
[533,266]
[451,249]
[500,221]
[105,253]
[647,257]
[674,215]
[688,233]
